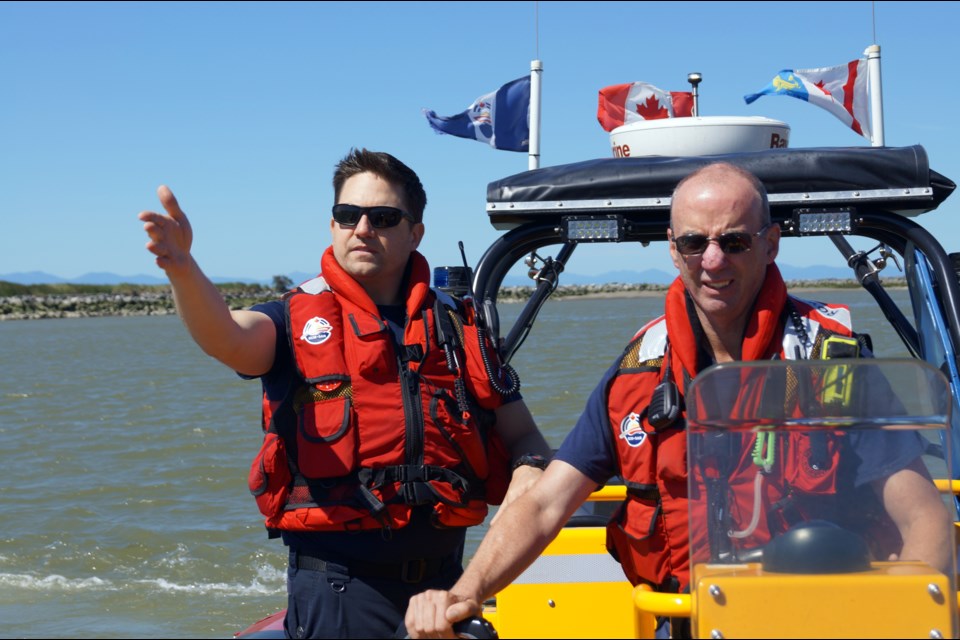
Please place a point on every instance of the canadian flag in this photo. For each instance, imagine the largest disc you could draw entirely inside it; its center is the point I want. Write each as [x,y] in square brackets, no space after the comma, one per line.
[625,103]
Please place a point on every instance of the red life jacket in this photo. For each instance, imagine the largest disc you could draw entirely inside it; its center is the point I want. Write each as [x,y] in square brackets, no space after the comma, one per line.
[371,433]
[649,535]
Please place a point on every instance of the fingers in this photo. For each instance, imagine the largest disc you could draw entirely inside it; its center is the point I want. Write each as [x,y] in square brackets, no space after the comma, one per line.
[462,610]
[426,616]
[172,207]
[170,235]
[431,614]
[169,202]
[153,223]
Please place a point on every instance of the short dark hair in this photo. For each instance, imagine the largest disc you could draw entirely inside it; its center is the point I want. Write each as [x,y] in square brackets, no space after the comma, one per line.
[387,168]
[757,184]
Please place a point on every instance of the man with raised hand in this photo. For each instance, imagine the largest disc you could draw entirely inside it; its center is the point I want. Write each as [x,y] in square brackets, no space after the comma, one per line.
[388,423]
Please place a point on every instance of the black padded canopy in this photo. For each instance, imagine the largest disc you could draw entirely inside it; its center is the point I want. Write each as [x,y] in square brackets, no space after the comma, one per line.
[892,178]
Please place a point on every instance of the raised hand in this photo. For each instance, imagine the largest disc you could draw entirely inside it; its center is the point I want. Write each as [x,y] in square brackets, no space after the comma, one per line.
[170,233]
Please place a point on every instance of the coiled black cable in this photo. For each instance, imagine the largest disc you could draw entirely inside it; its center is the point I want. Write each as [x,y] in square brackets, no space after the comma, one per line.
[495,380]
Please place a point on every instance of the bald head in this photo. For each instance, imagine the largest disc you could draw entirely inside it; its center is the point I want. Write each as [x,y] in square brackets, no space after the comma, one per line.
[721,175]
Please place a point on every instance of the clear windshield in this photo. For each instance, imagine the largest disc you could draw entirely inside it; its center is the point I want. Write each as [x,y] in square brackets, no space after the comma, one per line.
[791,464]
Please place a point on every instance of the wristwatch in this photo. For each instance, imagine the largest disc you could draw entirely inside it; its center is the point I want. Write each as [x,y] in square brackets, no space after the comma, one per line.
[530,460]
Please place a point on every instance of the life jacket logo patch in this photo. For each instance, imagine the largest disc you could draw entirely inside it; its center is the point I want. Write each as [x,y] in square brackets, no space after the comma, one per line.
[825,310]
[632,431]
[316,330]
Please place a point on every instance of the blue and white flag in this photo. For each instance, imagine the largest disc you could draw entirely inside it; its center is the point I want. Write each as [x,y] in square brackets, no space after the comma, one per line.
[841,90]
[500,118]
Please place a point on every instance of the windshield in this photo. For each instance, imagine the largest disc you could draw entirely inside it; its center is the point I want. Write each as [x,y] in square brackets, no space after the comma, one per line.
[776,446]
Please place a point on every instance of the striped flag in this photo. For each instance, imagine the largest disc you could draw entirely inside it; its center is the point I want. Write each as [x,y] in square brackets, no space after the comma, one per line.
[841,90]
[500,118]
[634,101]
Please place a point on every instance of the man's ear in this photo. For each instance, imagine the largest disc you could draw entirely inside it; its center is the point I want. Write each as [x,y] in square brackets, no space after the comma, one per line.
[416,234]
[674,255]
[773,242]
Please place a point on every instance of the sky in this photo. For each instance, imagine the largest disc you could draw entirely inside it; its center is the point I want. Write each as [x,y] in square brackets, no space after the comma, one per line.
[244,108]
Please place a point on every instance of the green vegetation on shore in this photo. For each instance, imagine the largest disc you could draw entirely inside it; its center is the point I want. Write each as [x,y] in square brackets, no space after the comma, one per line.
[37,301]
[28,302]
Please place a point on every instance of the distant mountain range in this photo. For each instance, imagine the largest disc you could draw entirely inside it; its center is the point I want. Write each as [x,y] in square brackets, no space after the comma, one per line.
[650,276]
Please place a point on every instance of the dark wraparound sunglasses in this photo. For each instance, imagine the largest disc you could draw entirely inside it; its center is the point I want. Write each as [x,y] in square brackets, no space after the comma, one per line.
[693,244]
[348,215]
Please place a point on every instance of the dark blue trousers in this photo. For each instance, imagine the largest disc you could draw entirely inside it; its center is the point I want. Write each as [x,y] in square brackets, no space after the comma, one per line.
[334,604]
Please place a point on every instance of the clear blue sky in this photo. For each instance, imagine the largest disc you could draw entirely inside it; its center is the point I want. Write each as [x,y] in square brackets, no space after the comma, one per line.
[244,108]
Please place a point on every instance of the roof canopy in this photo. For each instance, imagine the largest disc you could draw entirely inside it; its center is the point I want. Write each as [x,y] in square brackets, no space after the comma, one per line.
[895,179]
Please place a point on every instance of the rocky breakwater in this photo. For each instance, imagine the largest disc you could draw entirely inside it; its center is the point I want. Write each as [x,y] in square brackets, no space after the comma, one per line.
[609,290]
[154,302]
[35,307]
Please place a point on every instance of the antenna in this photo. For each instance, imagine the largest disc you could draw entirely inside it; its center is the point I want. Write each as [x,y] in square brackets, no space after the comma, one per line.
[694,79]
[536,29]
[536,75]
[466,268]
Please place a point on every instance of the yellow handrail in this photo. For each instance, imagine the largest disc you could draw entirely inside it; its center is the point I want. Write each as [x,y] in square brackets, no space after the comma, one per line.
[948,485]
[609,493]
[672,605]
[648,605]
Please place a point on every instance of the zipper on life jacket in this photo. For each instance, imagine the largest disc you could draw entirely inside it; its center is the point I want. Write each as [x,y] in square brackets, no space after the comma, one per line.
[413,415]
[413,423]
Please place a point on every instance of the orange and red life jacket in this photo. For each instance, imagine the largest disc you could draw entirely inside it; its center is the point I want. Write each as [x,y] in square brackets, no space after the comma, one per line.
[376,429]
[650,533]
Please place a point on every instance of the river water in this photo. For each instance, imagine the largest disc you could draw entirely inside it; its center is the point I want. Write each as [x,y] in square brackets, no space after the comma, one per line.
[123,503]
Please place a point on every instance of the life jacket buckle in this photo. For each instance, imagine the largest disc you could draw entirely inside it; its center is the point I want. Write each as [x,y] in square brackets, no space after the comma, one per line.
[417,493]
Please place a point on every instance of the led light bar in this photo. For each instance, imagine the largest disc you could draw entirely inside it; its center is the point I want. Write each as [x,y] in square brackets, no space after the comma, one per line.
[818,221]
[593,229]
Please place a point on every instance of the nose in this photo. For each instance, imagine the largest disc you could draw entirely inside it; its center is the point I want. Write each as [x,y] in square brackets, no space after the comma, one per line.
[712,256]
[363,228]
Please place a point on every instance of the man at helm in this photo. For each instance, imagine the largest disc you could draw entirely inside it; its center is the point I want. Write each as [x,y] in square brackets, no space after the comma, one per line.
[729,303]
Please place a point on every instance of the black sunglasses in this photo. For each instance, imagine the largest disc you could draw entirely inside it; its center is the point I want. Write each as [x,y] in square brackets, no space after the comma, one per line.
[348,215]
[693,244]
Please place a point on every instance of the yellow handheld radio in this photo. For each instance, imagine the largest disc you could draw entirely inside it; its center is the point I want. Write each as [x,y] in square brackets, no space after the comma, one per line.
[837,381]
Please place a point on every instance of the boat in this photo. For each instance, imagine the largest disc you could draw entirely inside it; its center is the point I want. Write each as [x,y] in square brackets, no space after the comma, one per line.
[881,194]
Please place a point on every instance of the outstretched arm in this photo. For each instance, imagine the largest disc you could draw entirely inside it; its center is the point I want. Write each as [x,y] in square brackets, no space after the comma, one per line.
[242,340]
[917,509]
[510,546]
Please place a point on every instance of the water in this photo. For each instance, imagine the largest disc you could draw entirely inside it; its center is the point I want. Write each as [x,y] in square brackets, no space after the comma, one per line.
[123,503]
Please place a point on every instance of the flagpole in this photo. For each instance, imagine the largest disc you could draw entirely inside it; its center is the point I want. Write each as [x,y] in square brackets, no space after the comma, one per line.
[876,94]
[536,70]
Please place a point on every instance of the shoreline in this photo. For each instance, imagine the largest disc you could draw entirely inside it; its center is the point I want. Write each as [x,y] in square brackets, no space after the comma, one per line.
[160,303]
